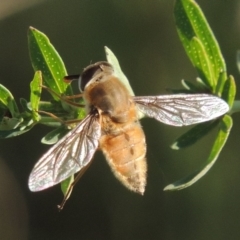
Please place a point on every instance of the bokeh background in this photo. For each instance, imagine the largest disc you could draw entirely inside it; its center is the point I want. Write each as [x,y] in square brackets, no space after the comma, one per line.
[142,34]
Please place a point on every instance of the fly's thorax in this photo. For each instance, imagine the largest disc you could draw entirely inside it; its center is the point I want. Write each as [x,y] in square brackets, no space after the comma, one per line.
[114,126]
[110,97]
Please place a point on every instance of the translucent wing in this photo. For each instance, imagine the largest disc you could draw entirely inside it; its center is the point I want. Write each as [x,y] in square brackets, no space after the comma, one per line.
[73,152]
[182,109]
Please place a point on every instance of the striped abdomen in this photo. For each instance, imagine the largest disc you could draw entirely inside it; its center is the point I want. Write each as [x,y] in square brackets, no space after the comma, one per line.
[125,152]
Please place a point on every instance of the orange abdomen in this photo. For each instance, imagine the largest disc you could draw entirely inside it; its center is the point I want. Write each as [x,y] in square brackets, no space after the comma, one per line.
[125,153]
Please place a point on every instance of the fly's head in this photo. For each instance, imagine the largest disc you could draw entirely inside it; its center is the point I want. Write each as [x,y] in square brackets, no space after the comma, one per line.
[93,74]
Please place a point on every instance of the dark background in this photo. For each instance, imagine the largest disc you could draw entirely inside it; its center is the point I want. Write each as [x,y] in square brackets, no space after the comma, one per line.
[142,34]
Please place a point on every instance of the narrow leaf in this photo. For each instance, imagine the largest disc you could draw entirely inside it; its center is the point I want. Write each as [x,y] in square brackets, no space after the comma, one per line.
[53,136]
[46,59]
[220,83]
[7,123]
[229,91]
[35,95]
[192,24]
[238,60]
[223,133]
[66,184]
[14,132]
[201,62]
[193,135]
[189,86]
[7,100]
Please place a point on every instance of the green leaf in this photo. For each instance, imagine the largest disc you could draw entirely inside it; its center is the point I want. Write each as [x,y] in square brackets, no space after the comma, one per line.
[193,135]
[26,106]
[28,123]
[238,60]
[46,59]
[14,132]
[229,91]
[53,136]
[223,133]
[199,41]
[15,126]
[66,185]
[189,86]
[7,101]
[8,124]
[35,95]
[201,62]
[220,83]
[53,107]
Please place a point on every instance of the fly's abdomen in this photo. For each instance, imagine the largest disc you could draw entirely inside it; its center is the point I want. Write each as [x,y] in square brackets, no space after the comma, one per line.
[125,153]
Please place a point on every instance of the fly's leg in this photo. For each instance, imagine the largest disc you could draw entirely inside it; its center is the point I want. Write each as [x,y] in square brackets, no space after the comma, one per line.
[66,122]
[66,98]
[70,188]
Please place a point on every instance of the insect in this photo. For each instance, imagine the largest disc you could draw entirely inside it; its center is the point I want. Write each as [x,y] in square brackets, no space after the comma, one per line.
[112,125]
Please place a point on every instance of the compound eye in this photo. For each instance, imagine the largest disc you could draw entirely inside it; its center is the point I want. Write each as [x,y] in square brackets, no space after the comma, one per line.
[89,72]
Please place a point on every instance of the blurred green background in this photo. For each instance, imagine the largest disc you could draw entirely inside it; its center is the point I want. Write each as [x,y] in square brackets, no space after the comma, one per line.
[142,34]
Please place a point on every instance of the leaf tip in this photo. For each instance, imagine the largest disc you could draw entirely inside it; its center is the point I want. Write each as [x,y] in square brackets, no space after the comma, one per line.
[175,146]
[169,187]
[32,28]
